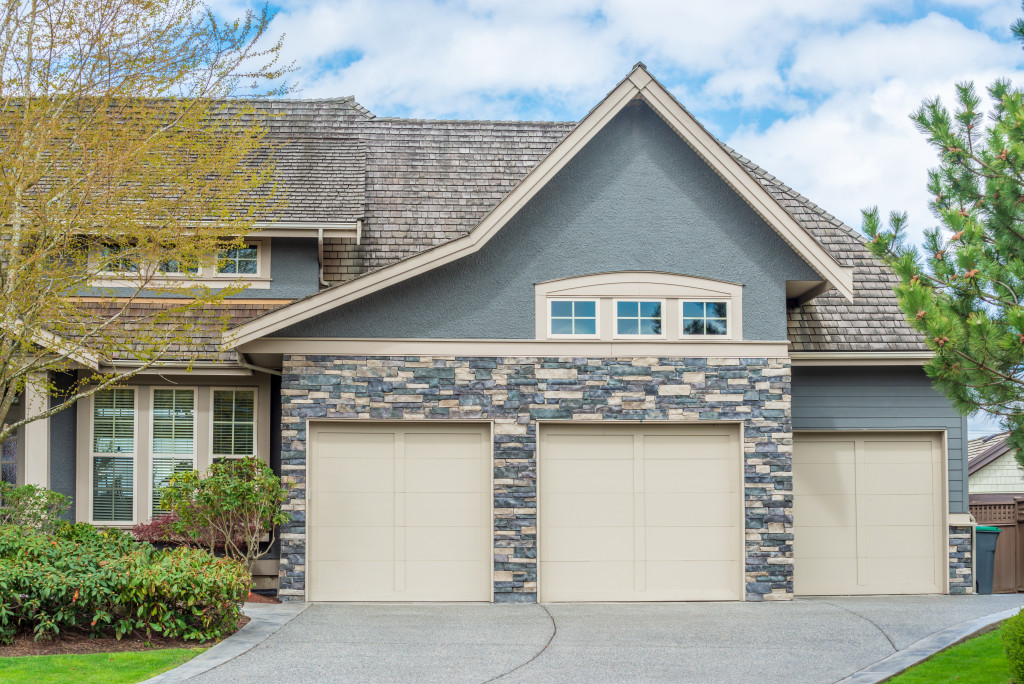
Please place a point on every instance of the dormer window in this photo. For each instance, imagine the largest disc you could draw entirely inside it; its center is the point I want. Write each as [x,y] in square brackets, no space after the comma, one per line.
[572,318]
[705,318]
[639,318]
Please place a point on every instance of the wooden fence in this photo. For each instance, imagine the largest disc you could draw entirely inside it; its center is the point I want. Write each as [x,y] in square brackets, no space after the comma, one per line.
[1009,517]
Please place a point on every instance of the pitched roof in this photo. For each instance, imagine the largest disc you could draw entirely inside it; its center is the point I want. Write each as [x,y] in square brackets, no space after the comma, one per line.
[984,450]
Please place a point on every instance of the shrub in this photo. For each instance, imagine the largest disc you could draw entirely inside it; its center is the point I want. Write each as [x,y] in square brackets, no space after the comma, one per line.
[159,530]
[109,584]
[32,506]
[234,504]
[1013,642]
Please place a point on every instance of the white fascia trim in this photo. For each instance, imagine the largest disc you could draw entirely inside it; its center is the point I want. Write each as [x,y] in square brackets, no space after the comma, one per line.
[847,358]
[334,229]
[528,348]
[60,345]
[639,83]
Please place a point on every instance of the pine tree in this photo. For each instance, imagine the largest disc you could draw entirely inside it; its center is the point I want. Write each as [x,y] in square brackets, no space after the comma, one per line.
[963,290]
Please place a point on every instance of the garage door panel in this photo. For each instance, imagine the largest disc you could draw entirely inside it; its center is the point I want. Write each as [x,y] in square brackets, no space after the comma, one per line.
[696,576]
[693,510]
[810,450]
[458,475]
[827,542]
[691,544]
[356,475]
[689,475]
[356,509]
[687,444]
[590,577]
[827,478]
[400,512]
[901,451]
[354,543]
[587,543]
[825,511]
[589,447]
[443,509]
[821,576]
[885,510]
[447,580]
[570,509]
[899,540]
[898,479]
[905,571]
[443,543]
[588,476]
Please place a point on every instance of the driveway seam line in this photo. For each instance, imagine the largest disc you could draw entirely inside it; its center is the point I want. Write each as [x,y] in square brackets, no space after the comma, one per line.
[554,631]
[862,617]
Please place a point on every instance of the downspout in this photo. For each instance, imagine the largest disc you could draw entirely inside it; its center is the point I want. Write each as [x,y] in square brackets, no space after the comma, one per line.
[320,254]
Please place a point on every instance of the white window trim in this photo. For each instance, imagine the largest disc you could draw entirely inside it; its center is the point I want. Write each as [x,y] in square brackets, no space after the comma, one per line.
[639,336]
[574,336]
[255,422]
[206,277]
[153,454]
[730,326]
[93,455]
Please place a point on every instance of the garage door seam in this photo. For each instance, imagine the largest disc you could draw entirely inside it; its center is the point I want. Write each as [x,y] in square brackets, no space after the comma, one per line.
[867,619]
[554,631]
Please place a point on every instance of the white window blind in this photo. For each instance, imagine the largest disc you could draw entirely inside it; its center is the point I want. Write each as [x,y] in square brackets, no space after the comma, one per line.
[113,480]
[234,422]
[113,422]
[173,437]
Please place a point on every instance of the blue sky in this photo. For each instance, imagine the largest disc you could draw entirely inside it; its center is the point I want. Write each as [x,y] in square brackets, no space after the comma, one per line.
[816,91]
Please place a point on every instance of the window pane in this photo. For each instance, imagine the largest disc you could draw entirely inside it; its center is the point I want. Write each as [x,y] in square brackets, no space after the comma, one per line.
[627,326]
[693,309]
[586,309]
[716,310]
[563,309]
[650,309]
[223,405]
[163,470]
[9,460]
[716,327]
[243,405]
[227,267]
[561,326]
[247,267]
[173,420]
[247,252]
[586,326]
[627,309]
[233,422]
[650,326]
[693,326]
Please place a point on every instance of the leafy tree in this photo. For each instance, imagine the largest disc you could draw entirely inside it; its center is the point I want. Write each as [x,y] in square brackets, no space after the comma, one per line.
[234,504]
[963,290]
[124,154]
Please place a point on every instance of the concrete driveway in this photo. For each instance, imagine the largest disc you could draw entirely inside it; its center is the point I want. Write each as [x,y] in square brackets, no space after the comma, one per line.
[806,640]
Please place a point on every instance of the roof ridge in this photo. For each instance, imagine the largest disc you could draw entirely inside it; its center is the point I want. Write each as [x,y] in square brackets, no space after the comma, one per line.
[510,122]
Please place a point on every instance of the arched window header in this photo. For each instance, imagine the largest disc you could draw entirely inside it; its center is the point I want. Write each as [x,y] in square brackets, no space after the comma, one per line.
[638,306]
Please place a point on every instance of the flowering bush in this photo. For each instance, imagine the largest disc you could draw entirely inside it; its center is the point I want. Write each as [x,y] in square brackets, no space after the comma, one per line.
[107,583]
[32,506]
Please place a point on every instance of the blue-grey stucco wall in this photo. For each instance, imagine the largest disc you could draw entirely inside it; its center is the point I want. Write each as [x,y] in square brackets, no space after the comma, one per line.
[635,198]
[63,429]
[883,398]
[294,273]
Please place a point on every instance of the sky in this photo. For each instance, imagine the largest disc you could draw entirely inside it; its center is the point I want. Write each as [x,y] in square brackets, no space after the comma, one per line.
[818,92]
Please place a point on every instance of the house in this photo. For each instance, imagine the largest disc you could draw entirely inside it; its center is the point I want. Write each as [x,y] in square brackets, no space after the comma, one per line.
[992,468]
[996,498]
[610,360]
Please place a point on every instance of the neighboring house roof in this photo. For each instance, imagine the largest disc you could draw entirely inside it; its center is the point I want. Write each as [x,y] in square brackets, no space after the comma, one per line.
[985,450]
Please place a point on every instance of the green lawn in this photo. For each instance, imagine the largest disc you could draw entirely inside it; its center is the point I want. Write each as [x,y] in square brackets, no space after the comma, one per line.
[126,667]
[980,660]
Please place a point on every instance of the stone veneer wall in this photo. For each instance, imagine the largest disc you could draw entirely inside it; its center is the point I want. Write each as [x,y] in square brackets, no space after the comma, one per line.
[516,392]
[961,573]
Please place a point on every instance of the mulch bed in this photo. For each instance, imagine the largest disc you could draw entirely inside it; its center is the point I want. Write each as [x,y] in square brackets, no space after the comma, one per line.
[260,598]
[79,642]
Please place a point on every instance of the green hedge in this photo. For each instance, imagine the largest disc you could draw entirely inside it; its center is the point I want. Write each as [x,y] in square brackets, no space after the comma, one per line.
[109,584]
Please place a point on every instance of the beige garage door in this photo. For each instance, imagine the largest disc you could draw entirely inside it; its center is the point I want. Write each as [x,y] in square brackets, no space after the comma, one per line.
[400,512]
[868,513]
[640,513]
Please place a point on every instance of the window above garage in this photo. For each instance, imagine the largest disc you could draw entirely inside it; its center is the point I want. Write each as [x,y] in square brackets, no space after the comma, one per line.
[639,306]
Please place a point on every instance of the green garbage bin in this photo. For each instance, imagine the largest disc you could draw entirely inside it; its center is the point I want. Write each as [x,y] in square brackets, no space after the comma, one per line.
[985,538]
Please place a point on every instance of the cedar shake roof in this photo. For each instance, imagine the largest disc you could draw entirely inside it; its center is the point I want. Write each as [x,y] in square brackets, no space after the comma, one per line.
[429,182]
[984,450]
